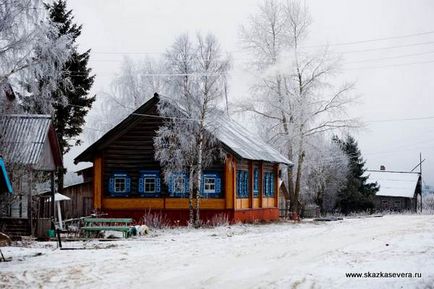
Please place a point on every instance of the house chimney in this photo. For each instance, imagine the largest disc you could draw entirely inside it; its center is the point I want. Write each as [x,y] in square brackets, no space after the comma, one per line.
[382,168]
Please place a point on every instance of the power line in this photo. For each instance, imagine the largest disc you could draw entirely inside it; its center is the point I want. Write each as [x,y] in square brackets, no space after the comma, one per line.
[389,57]
[235,51]
[402,119]
[386,48]
[391,65]
[371,40]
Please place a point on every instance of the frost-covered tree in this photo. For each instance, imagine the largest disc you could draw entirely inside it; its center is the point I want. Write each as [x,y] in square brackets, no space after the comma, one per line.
[326,169]
[31,49]
[136,83]
[295,94]
[185,143]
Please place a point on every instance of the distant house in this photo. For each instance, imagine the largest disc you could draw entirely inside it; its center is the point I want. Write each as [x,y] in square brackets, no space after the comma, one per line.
[399,191]
[127,180]
[29,146]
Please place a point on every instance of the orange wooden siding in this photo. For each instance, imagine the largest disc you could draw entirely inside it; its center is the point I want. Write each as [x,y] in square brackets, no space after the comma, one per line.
[97,182]
[158,203]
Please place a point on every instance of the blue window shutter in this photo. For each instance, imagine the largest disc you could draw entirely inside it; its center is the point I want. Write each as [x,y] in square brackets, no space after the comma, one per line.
[170,184]
[266,185]
[246,184]
[241,183]
[255,180]
[272,184]
[157,184]
[127,184]
[111,186]
[186,184]
[218,185]
[202,186]
[141,185]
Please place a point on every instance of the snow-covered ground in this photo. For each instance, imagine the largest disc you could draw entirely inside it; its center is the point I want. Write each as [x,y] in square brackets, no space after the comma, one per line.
[285,255]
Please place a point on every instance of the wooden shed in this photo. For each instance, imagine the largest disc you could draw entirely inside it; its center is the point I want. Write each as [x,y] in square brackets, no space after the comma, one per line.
[30,147]
[127,180]
[399,191]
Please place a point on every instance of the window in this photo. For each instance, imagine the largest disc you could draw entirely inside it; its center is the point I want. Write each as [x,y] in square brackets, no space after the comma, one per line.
[149,184]
[255,182]
[211,185]
[178,185]
[242,184]
[269,188]
[119,185]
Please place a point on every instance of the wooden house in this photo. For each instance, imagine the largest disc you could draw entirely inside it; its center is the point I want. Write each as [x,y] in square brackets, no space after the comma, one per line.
[399,191]
[30,147]
[127,180]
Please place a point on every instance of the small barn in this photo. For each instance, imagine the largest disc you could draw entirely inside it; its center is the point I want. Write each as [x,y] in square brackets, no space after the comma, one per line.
[399,191]
[30,148]
[127,180]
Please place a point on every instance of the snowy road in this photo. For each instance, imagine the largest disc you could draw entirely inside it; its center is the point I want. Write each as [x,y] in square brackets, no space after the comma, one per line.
[306,255]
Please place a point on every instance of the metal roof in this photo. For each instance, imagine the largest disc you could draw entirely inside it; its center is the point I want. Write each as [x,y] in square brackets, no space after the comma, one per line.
[244,143]
[394,184]
[23,137]
[235,137]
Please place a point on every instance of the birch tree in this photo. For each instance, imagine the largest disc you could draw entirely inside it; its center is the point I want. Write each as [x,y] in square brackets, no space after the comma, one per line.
[295,94]
[198,82]
[30,49]
[136,83]
[327,169]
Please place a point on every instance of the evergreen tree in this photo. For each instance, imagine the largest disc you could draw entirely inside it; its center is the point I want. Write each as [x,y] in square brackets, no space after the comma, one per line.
[357,195]
[71,102]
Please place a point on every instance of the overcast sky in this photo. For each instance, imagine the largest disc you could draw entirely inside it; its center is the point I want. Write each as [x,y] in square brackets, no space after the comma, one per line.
[394,84]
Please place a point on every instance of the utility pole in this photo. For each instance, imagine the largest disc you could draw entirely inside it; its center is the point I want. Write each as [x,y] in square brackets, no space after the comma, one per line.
[421,183]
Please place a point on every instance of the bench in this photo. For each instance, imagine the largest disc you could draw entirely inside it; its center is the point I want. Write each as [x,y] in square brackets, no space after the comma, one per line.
[107,224]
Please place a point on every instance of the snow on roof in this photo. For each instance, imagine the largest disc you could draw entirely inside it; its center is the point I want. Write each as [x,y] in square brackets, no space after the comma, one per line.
[394,184]
[244,143]
[227,131]
[24,137]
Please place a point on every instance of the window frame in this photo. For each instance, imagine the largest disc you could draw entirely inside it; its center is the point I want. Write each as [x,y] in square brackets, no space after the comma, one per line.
[118,178]
[242,184]
[145,177]
[209,191]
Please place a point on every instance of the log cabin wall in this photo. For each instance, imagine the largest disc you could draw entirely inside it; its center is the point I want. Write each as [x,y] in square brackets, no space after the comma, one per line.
[132,151]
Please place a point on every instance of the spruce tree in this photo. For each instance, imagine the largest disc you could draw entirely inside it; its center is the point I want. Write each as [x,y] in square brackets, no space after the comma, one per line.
[69,115]
[358,195]
[71,102]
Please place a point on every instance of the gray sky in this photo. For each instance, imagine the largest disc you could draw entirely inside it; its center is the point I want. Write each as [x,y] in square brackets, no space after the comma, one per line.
[393,83]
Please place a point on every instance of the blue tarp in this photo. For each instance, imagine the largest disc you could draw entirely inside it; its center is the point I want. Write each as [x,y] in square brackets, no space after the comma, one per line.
[4,179]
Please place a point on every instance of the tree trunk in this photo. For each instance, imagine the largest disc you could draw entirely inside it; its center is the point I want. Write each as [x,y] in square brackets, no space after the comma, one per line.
[191,196]
[296,208]
[199,178]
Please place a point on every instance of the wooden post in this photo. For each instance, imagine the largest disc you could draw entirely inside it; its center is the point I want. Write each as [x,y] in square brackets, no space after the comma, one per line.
[30,200]
[53,193]
[250,185]
[276,185]
[97,183]
[229,182]
[261,185]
